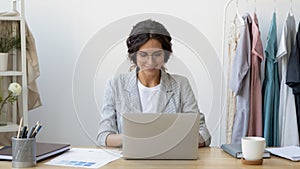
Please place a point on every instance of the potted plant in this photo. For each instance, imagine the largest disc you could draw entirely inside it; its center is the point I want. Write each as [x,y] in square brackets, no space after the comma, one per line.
[7,43]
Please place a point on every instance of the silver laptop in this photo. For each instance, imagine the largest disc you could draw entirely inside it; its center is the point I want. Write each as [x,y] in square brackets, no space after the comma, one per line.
[160,136]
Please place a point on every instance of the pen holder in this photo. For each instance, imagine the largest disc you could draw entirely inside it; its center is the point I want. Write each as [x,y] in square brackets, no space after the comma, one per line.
[23,152]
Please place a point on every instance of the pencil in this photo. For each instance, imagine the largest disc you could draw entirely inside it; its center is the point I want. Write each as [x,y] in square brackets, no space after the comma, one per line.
[21,121]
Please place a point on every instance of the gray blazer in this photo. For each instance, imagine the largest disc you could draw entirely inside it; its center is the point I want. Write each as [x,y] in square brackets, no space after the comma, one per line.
[121,95]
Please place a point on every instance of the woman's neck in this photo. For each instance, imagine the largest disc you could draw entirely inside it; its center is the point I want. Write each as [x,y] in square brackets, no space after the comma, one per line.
[149,80]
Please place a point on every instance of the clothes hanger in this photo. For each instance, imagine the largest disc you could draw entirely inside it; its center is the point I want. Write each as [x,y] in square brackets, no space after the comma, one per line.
[291,8]
[254,6]
[274,6]
[237,13]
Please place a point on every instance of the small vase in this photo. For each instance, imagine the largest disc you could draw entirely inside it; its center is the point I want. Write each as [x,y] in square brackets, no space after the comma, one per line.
[3,116]
[3,61]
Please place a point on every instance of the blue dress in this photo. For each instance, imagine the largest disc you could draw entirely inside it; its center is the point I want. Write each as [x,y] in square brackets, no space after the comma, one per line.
[271,88]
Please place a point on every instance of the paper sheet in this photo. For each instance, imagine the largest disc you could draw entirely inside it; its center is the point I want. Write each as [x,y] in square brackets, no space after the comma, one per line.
[86,158]
[289,152]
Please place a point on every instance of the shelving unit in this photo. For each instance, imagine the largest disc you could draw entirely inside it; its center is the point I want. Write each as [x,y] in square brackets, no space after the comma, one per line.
[18,68]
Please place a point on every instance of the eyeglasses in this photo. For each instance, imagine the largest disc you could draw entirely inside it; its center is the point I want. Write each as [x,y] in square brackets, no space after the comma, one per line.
[155,55]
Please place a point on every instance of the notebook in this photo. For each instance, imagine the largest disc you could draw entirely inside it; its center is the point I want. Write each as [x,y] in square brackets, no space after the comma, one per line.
[43,151]
[160,136]
[235,150]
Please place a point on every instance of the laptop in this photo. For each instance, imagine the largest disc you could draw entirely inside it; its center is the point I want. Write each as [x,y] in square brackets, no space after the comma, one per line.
[160,135]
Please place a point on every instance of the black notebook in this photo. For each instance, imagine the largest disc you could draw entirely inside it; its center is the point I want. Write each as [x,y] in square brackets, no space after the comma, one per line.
[235,150]
[43,151]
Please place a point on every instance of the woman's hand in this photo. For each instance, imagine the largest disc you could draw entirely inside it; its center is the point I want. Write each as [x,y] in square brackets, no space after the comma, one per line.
[114,140]
[201,144]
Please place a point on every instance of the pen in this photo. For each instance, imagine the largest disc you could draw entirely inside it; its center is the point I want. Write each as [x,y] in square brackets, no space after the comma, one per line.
[36,132]
[26,132]
[36,126]
[23,133]
[30,132]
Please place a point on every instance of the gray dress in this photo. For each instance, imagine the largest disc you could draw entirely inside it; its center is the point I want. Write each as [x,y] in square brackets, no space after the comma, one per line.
[240,82]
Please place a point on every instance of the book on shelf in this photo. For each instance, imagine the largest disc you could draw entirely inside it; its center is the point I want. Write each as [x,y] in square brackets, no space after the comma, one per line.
[43,151]
[288,152]
[235,150]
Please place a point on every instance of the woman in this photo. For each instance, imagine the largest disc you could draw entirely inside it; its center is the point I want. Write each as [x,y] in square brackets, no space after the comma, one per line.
[147,88]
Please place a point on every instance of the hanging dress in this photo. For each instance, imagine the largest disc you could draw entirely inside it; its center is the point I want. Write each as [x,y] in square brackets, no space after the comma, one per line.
[234,35]
[240,81]
[255,115]
[287,122]
[271,88]
[293,74]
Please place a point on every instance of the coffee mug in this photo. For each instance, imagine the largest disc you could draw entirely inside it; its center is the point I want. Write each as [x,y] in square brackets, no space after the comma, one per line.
[253,148]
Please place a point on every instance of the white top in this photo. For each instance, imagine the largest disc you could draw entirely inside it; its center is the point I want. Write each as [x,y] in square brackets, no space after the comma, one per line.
[287,116]
[149,97]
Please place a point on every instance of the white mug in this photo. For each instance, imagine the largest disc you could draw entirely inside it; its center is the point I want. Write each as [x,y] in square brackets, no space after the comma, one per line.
[253,148]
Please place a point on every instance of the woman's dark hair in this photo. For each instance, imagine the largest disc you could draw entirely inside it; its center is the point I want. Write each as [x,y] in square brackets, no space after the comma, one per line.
[142,32]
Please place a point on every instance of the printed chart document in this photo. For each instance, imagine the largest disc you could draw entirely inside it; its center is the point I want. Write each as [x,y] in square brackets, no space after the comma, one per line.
[288,152]
[86,158]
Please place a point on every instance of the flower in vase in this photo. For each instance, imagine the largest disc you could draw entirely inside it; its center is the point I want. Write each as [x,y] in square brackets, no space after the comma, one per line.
[14,91]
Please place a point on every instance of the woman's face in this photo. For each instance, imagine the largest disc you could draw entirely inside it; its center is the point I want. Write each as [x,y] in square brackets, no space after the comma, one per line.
[150,56]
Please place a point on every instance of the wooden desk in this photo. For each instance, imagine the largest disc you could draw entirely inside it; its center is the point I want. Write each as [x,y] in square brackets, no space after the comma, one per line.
[209,158]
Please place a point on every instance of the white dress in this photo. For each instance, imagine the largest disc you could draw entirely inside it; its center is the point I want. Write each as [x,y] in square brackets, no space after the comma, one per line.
[288,130]
[234,35]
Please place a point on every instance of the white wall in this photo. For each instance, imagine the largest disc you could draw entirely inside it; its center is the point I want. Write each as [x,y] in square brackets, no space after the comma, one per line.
[65,30]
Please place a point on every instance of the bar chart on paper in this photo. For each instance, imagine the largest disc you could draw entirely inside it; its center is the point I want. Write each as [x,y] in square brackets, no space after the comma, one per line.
[85,158]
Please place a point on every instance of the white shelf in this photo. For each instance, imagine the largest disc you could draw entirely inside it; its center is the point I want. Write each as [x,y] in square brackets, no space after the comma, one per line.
[18,70]
[10,127]
[10,18]
[11,73]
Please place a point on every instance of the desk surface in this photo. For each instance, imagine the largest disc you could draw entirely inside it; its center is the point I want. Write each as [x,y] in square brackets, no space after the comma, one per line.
[210,158]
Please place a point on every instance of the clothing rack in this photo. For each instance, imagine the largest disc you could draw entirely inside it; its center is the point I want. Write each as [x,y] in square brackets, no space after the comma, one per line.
[225,19]
[225,11]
